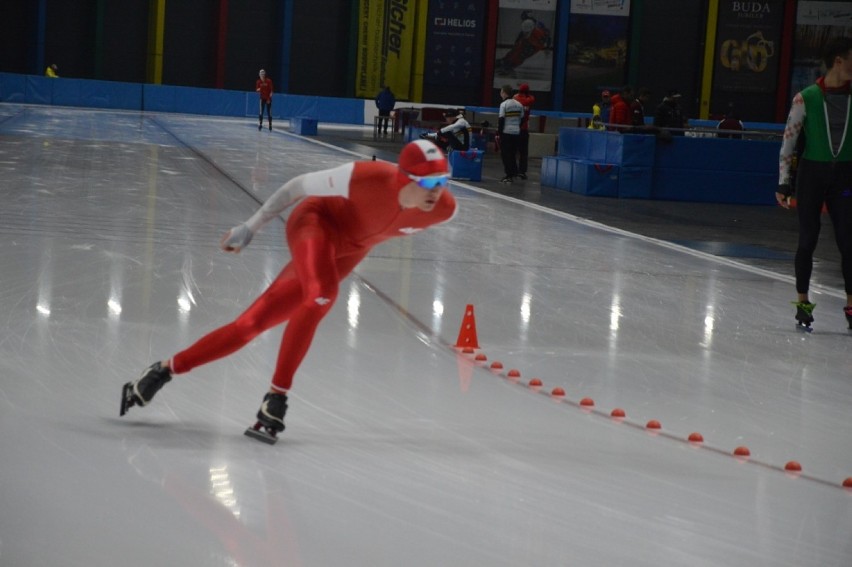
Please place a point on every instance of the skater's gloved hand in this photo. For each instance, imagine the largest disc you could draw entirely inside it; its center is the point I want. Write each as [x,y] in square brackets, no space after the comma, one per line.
[783,195]
[236,239]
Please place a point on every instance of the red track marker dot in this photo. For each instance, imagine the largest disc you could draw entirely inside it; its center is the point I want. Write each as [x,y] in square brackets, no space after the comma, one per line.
[653,424]
[847,483]
[535,382]
[481,357]
[742,452]
[588,402]
[467,350]
[514,373]
[618,412]
[696,438]
[793,466]
[557,392]
[496,365]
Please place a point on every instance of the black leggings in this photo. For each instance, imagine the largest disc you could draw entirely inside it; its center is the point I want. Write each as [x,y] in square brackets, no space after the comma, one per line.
[831,184]
[267,104]
[509,152]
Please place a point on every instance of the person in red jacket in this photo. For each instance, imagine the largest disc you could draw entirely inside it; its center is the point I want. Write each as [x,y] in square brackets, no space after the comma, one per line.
[341,214]
[621,116]
[527,100]
[264,87]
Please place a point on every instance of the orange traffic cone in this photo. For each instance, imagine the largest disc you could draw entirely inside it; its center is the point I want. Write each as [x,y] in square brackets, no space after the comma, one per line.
[467,333]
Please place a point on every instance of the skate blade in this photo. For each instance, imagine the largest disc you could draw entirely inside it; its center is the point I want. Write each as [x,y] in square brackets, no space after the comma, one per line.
[258,432]
[126,398]
[804,328]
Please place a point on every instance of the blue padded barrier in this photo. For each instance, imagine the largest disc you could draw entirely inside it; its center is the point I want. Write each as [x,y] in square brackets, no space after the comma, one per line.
[564,173]
[96,94]
[548,170]
[595,179]
[327,109]
[192,100]
[230,103]
[159,98]
[715,186]
[635,182]
[630,149]
[39,90]
[13,87]
[607,147]
[582,143]
[718,153]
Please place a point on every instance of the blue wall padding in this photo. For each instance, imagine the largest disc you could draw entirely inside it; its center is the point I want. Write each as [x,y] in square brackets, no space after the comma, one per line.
[713,170]
[13,87]
[607,147]
[35,89]
[582,143]
[564,173]
[719,153]
[596,179]
[194,100]
[635,182]
[225,103]
[548,170]
[96,94]
[39,90]
[634,150]
[159,98]
[324,109]
[714,186]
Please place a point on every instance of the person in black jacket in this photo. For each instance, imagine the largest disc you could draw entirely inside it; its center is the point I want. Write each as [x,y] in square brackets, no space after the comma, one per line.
[669,115]
[385,101]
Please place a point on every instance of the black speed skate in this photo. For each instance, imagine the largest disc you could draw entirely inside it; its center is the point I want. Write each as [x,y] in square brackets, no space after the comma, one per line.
[848,312]
[140,392]
[270,418]
[804,315]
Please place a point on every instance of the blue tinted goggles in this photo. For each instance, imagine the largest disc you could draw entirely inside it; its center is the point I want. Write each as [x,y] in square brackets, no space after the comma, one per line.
[432,181]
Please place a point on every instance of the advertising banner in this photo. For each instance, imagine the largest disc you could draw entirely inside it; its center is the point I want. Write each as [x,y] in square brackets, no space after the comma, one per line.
[597,46]
[525,42]
[386,36]
[454,43]
[748,38]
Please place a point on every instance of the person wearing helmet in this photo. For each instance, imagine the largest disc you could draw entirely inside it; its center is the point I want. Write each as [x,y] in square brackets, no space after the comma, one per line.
[339,215]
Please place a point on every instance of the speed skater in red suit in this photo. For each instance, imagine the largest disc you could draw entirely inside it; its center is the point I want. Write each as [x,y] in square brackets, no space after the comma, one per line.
[340,214]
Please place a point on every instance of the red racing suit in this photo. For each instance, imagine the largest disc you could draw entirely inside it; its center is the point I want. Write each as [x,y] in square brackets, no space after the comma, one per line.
[342,213]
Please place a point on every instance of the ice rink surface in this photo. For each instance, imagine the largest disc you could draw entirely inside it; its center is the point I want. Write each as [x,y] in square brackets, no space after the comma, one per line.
[399,449]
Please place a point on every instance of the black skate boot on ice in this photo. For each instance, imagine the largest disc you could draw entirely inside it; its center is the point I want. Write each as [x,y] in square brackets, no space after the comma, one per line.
[140,392]
[848,312]
[804,315]
[270,418]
